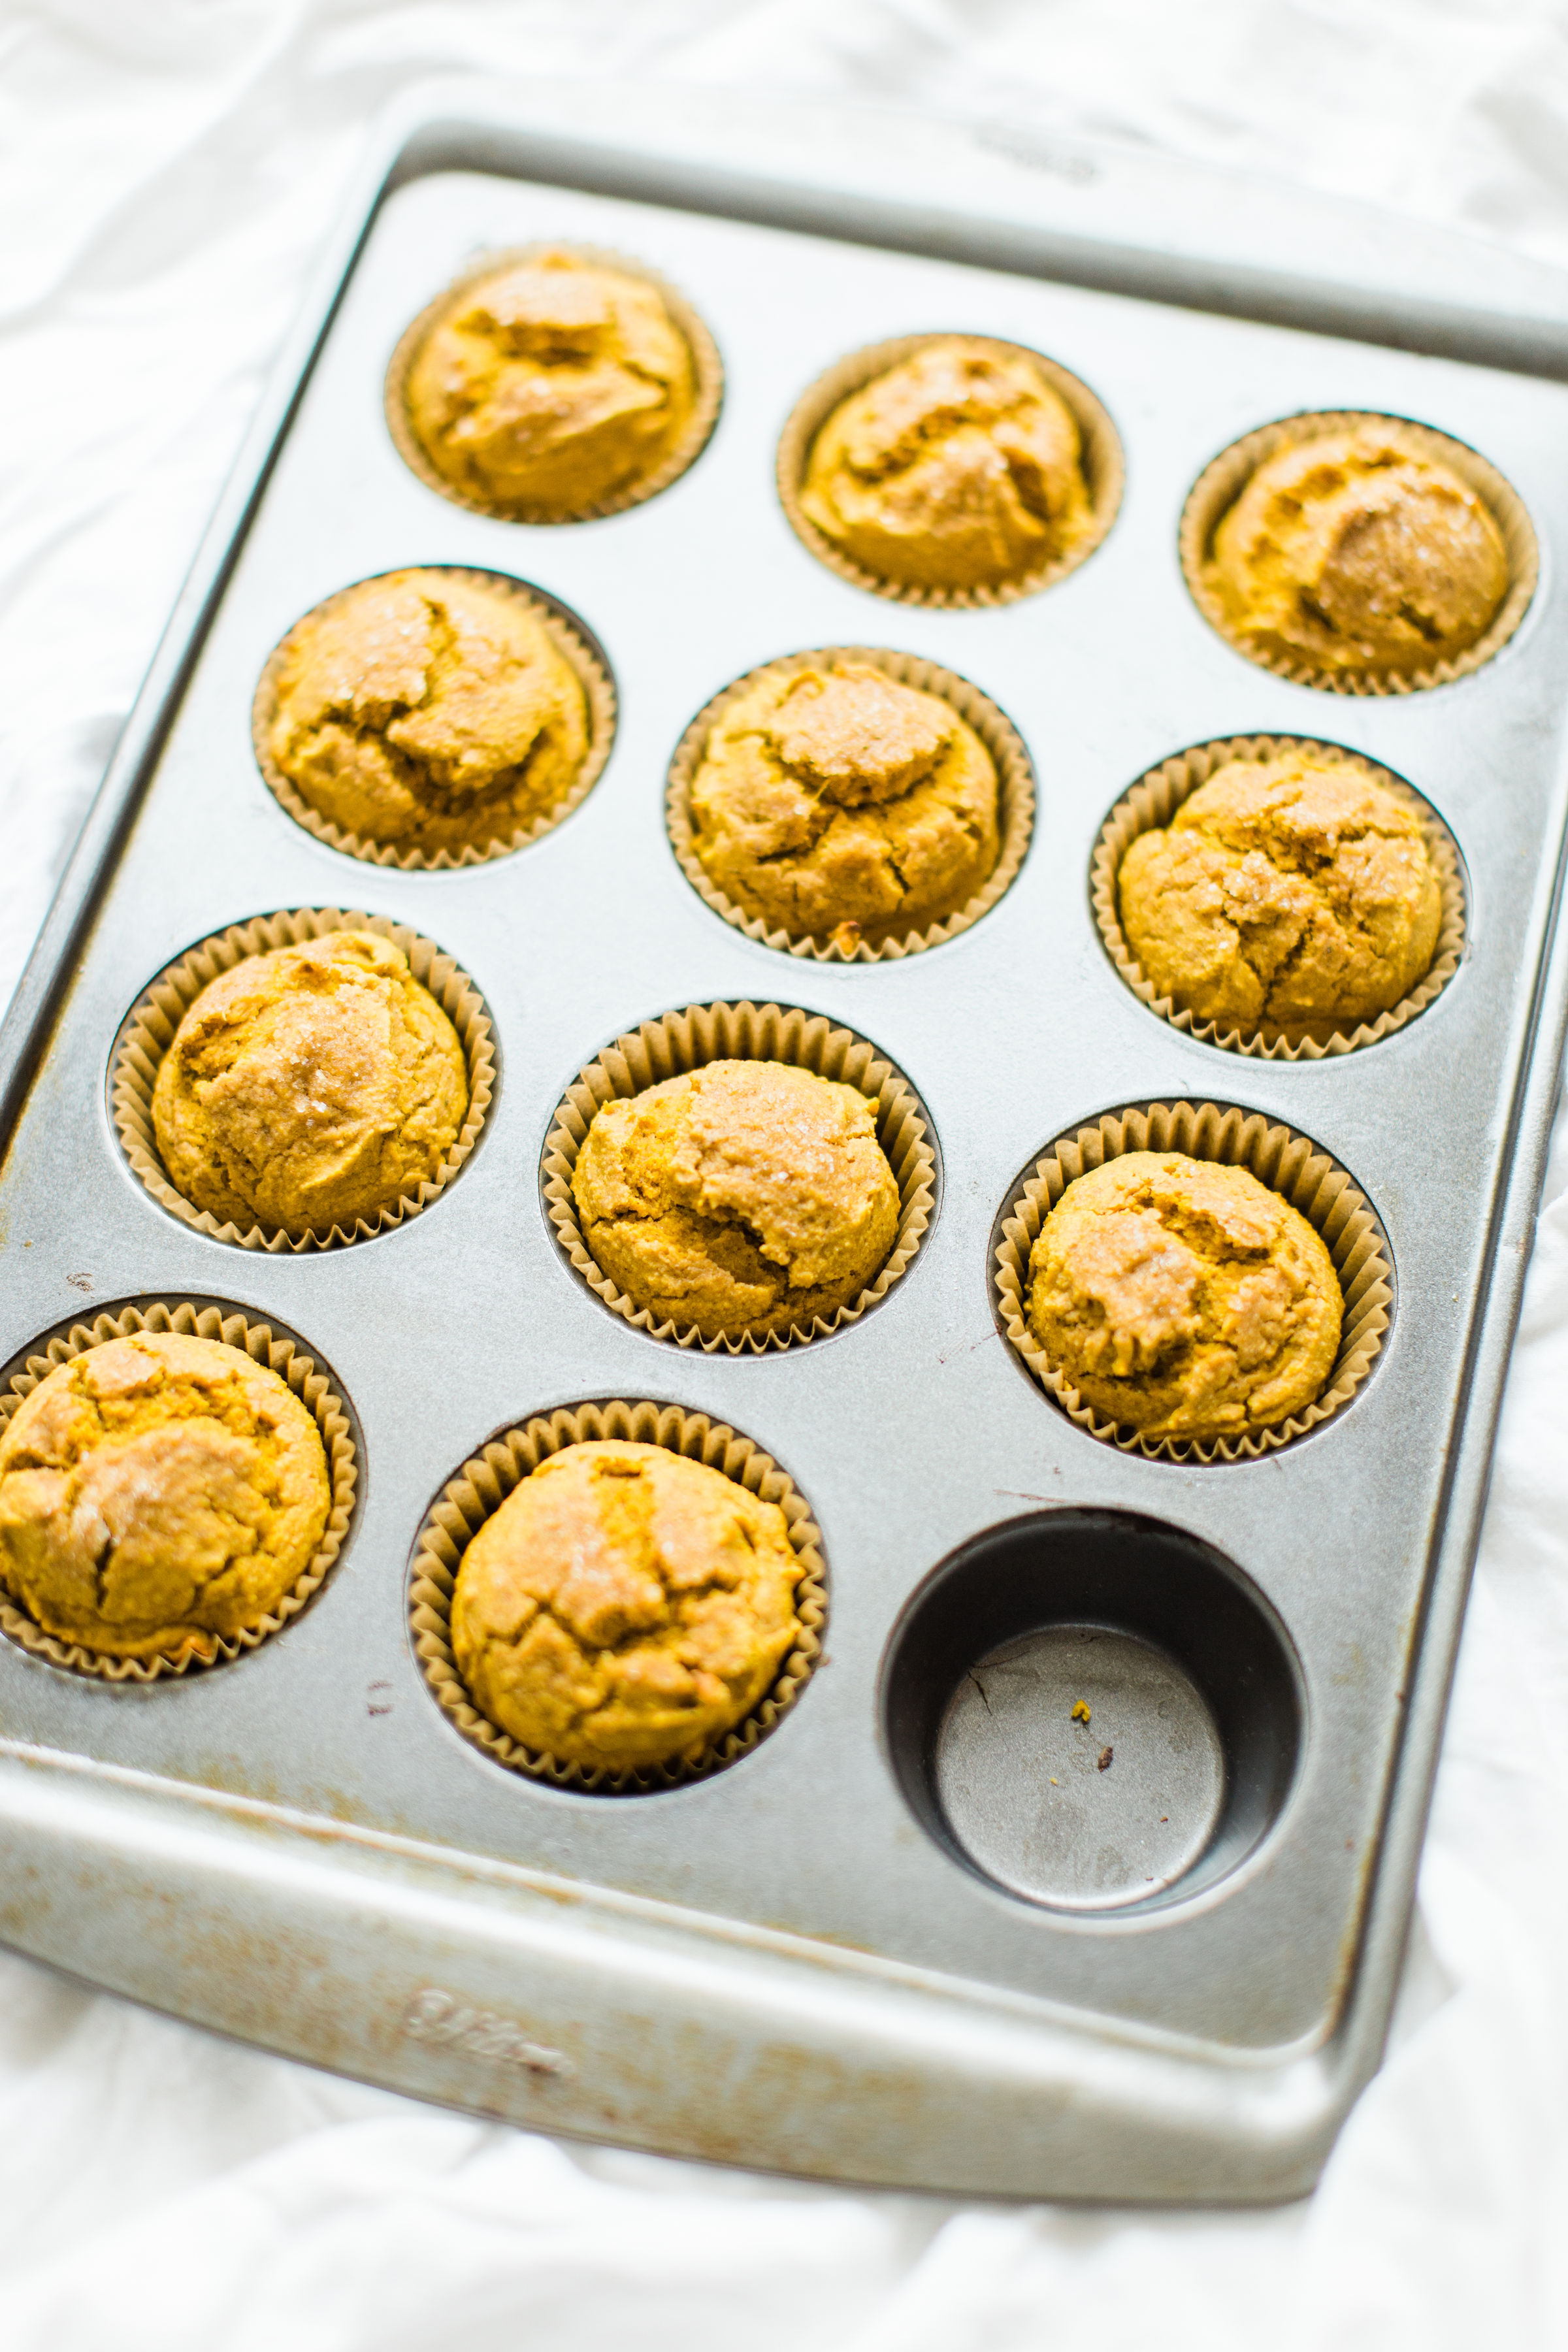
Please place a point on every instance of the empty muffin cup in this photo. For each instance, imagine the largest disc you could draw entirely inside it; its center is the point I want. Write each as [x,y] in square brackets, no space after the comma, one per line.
[700,1034]
[1305,1176]
[279,1354]
[1153,803]
[484,1483]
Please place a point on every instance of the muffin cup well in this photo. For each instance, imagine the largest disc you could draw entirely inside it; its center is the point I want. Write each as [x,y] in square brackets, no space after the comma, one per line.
[148,1032]
[570,641]
[1222,482]
[310,1386]
[744,1032]
[706,366]
[1155,800]
[847,944]
[1289,1164]
[1104,471]
[483,1484]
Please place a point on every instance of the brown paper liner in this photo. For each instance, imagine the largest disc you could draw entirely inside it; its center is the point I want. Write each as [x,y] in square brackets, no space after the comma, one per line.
[148,1032]
[1153,801]
[311,1387]
[481,1486]
[1016,807]
[707,369]
[1222,482]
[744,1032]
[570,641]
[1289,1164]
[1104,470]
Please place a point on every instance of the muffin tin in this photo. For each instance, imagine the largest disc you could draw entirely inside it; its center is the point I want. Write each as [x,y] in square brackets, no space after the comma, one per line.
[876,1946]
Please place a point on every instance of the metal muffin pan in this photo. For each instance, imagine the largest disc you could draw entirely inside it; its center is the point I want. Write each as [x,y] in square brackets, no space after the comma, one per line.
[857,1953]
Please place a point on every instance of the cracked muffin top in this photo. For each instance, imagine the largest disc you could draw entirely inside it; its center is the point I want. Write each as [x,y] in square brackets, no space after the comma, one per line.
[738,1197]
[1356,551]
[960,468]
[833,800]
[157,1493]
[624,1606]
[1293,895]
[552,385]
[310,1087]
[425,712]
[1184,1298]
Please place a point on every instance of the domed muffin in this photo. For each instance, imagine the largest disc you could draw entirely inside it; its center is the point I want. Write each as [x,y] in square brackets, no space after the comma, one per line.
[310,1087]
[159,1493]
[960,468]
[1183,1298]
[1293,895]
[625,1607]
[552,385]
[425,712]
[833,799]
[1355,550]
[738,1197]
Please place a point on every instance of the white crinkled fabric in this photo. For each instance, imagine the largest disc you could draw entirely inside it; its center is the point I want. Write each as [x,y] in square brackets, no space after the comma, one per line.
[166,168]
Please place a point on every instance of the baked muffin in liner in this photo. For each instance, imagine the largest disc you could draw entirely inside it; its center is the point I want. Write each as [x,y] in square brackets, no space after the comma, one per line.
[1289,1164]
[571,642]
[1222,482]
[483,1484]
[1016,806]
[148,1032]
[1153,801]
[706,365]
[743,1032]
[1104,471]
[281,1356]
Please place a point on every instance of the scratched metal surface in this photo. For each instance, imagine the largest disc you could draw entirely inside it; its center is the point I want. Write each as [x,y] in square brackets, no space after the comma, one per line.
[917,1430]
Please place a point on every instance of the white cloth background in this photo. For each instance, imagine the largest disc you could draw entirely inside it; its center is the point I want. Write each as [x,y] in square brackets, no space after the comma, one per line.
[166,170]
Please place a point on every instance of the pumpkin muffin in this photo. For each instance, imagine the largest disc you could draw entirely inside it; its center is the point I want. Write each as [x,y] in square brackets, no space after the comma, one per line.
[1183,1298]
[834,799]
[741,1197]
[309,1088]
[422,711]
[1294,895]
[552,385]
[159,1493]
[960,468]
[625,1607]
[1355,551]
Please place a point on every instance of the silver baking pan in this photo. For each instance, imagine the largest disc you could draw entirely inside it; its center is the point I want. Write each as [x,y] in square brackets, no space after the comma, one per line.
[845,1955]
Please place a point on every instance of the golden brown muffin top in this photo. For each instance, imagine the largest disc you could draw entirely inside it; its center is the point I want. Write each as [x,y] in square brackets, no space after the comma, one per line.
[1355,550]
[1293,894]
[553,385]
[428,712]
[310,1087]
[960,468]
[741,1196]
[1184,1298]
[834,799]
[624,1606]
[158,1491]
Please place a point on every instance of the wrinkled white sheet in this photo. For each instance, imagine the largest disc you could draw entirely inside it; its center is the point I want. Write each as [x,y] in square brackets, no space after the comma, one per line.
[166,167]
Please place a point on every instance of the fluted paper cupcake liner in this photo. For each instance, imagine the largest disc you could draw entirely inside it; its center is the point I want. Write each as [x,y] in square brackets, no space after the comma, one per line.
[281,1356]
[483,1484]
[847,943]
[1222,482]
[743,1032]
[1104,471]
[149,1028]
[571,642]
[1153,801]
[707,369]
[1291,1164]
